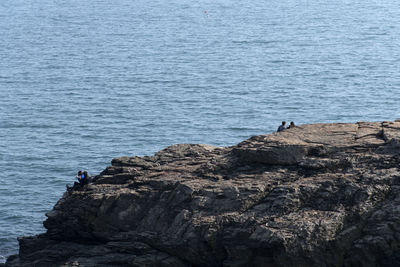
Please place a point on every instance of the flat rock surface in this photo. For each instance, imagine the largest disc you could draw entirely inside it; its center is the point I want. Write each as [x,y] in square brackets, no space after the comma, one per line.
[314,195]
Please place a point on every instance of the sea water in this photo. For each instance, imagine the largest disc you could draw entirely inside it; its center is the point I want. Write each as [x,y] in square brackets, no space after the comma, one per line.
[82,82]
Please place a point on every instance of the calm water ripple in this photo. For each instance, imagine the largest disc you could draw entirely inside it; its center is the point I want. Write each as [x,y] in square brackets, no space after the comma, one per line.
[82,82]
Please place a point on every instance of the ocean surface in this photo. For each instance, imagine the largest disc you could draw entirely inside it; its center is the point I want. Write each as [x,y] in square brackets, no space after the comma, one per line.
[82,82]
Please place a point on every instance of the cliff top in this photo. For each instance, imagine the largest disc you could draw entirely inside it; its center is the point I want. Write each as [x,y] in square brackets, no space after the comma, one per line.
[320,194]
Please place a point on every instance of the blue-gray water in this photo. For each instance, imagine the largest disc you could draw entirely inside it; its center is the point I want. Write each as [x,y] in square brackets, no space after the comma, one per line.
[82,82]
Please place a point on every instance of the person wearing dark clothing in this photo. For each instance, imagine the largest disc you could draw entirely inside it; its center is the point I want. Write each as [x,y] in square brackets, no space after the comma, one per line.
[282,126]
[291,125]
[79,176]
[82,178]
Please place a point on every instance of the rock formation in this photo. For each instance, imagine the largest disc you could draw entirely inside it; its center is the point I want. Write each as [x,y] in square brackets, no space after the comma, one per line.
[314,195]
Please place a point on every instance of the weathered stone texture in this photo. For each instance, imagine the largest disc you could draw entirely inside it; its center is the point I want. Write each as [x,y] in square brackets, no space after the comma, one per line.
[315,195]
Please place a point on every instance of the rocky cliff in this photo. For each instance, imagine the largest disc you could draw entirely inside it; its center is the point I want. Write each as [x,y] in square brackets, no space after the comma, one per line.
[315,195]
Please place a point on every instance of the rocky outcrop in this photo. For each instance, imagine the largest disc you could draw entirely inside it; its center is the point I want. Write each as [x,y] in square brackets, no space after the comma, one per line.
[314,195]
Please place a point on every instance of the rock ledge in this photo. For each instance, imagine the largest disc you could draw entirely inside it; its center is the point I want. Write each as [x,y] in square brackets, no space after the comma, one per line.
[315,195]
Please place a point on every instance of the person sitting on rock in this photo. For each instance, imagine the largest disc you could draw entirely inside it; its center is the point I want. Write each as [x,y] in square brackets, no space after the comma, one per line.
[282,126]
[291,125]
[82,177]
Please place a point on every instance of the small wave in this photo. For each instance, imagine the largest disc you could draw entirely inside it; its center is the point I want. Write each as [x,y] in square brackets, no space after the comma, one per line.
[11,125]
[244,129]
[255,41]
[276,61]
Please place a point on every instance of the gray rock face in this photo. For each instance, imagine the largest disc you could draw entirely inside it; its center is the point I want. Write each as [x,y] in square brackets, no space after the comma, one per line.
[314,195]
